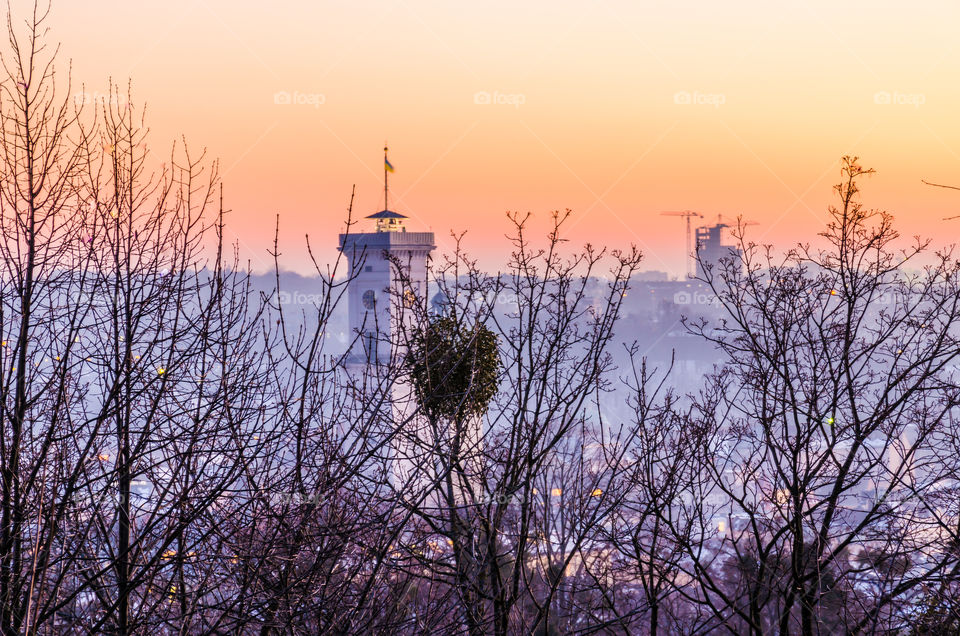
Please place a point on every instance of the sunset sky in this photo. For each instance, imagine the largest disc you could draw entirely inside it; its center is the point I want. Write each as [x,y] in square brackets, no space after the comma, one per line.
[587,111]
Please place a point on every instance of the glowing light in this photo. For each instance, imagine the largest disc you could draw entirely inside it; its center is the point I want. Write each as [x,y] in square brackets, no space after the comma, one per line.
[556,492]
[596,492]
[103,457]
[161,371]
[833,292]
[722,526]
[830,421]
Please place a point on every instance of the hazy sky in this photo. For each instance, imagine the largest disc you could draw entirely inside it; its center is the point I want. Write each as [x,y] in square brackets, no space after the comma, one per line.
[587,110]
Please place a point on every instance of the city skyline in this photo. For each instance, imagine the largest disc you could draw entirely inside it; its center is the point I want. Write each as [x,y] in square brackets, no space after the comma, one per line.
[494,405]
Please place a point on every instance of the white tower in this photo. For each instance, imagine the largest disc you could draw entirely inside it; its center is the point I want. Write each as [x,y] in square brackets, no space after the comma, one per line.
[377,299]
[374,290]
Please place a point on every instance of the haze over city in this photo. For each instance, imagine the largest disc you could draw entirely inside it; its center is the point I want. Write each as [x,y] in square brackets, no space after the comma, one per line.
[542,384]
[591,113]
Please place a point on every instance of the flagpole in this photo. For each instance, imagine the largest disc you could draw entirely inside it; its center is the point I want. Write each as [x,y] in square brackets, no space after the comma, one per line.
[386,206]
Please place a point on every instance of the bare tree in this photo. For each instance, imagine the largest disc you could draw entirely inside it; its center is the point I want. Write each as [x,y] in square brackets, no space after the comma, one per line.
[664,497]
[129,378]
[40,187]
[828,430]
[313,545]
[183,454]
[486,519]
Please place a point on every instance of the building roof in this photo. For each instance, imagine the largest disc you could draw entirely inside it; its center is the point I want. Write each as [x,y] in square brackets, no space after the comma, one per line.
[387,214]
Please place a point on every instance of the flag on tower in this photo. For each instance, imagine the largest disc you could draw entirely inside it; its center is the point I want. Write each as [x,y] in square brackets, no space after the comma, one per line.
[387,165]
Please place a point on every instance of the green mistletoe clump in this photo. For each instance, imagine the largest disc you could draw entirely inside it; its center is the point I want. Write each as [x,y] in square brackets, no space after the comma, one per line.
[453,367]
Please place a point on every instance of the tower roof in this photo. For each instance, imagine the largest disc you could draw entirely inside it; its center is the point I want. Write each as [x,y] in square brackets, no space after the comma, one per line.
[387,214]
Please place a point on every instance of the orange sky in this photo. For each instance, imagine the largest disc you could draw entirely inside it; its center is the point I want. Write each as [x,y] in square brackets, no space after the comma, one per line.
[589,117]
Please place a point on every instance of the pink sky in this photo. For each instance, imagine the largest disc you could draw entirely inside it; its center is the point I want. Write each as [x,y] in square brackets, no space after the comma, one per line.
[592,115]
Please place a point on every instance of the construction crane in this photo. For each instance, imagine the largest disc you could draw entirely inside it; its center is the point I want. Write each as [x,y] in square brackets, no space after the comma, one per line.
[705,230]
[688,214]
[720,222]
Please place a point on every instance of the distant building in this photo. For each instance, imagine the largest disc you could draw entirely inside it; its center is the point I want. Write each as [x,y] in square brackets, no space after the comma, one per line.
[711,248]
[374,295]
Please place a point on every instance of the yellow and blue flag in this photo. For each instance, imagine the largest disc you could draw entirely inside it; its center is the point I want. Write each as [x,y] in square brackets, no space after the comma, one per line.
[387,165]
